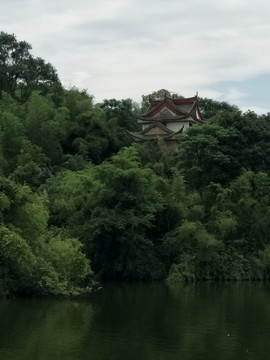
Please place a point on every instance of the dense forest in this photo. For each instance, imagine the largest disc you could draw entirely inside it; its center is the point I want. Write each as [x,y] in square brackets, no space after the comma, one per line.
[79,201]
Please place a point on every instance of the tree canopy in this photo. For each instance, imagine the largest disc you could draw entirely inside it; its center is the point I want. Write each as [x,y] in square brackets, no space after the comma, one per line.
[21,72]
[78,200]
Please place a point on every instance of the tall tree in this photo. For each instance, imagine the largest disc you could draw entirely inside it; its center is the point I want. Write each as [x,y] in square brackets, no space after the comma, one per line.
[211,108]
[121,111]
[91,133]
[240,214]
[110,207]
[210,153]
[45,126]
[20,72]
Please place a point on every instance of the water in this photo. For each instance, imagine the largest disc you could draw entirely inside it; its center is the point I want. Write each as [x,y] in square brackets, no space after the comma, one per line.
[151,321]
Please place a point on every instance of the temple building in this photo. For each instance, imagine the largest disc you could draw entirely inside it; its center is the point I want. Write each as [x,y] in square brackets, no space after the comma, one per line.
[166,118]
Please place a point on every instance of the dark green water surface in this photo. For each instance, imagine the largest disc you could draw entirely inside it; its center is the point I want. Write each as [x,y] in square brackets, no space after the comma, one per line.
[151,321]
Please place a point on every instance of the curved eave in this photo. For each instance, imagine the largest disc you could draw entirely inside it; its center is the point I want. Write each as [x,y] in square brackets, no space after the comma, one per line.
[163,119]
[153,137]
[159,125]
[176,133]
[154,105]
[170,120]
[137,137]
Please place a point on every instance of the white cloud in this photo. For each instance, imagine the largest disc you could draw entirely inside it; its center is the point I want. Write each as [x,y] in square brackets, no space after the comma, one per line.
[234,96]
[258,110]
[127,48]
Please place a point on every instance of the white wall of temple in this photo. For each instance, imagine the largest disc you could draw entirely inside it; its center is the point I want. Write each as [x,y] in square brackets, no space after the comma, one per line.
[156,131]
[173,126]
[176,126]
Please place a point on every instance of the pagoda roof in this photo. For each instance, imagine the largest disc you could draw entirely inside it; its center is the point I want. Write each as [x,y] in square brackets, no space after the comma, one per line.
[169,109]
[142,135]
[189,118]
[166,118]
[155,125]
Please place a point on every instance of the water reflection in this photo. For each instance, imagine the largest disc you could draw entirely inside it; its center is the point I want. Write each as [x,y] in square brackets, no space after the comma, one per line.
[43,329]
[142,321]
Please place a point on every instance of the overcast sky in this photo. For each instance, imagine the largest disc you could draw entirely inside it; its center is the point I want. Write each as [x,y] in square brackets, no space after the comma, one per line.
[123,49]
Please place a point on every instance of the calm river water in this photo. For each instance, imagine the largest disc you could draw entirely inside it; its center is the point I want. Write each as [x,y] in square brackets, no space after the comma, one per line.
[151,321]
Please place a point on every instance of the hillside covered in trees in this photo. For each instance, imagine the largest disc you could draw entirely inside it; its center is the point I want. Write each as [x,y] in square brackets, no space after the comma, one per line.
[77,198]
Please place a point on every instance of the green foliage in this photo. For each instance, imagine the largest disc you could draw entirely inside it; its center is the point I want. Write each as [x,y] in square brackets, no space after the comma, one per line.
[121,112]
[44,127]
[11,137]
[183,271]
[25,210]
[244,209]
[62,267]
[17,262]
[92,133]
[208,154]
[20,72]
[32,260]
[108,208]
[211,109]
[32,166]
[72,196]
[73,190]
[67,259]
[191,240]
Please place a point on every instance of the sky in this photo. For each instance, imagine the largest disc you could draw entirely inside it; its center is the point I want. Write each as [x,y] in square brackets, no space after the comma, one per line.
[128,48]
